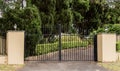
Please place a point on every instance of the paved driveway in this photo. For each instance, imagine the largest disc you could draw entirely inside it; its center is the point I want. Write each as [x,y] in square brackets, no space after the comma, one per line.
[62,66]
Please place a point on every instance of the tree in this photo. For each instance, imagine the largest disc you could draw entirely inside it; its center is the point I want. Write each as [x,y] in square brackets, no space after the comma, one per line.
[112,14]
[47,13]
[27,19]
[64,15]
[94,16]
[1,7]
[54,12]
[80,8]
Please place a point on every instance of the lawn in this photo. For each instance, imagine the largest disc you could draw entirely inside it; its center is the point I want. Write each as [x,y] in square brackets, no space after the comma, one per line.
[10,67]
[112,66]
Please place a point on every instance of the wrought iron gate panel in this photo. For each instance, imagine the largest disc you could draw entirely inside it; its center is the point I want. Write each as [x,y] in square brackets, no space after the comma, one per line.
[78,49]
[60,47]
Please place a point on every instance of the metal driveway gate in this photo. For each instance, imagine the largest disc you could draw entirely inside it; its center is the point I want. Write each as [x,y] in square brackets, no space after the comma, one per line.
[59,47]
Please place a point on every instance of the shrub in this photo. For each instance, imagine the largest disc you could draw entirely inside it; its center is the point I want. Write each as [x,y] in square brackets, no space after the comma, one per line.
[69,37]
[51,47]
[73,44]
[118,46]
[46,48]
[112,28]
[115,29]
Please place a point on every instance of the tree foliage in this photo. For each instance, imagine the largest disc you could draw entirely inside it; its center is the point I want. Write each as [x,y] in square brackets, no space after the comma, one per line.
[27,19]
[80,8]
[42,17]
[65,12]
[47,13]
[64,15]
[81,16]
[113,15]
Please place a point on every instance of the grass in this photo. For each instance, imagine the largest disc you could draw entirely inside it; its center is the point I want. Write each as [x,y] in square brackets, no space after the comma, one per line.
[10,67]
[115,66]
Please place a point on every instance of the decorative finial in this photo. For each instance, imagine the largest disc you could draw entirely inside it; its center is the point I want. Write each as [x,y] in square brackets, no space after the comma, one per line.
[15,26]
[106,29]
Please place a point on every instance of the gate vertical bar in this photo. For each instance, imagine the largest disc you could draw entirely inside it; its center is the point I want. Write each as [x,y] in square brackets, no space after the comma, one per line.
[59,42]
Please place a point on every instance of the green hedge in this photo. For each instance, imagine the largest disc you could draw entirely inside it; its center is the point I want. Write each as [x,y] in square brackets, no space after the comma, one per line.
[111,28]
[51,47]
[118,47]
